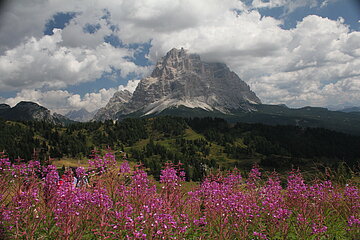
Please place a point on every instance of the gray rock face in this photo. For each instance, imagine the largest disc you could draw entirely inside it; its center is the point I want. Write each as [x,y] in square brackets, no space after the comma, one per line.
[32,111]
[180,78]
[115,105]
[81,115]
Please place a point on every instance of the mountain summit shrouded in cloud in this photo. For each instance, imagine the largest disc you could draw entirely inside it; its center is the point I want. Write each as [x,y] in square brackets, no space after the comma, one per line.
[183,79]
[76,55]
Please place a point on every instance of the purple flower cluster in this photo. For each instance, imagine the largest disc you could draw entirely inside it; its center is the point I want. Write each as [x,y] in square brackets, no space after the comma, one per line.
[121,203]
[102,163]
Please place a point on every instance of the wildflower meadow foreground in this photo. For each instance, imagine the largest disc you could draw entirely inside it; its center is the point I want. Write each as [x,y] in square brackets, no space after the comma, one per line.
[108,201]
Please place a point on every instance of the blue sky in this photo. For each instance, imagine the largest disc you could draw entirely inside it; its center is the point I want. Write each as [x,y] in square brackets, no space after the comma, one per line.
[348,9]
[76,55]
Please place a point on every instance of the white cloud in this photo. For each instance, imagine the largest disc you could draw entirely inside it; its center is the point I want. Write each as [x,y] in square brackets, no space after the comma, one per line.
[323,66]
[325,3]
[288,5]
[130,86]
[94,101]
[23,19]
[62,101]
[27,18]
[44,62]
[315,63]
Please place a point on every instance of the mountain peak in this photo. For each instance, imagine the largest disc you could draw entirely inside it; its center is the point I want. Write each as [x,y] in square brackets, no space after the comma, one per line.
[4,106]
[33,109]
[183,79]
[115,104]
[176,53]
[175,59]
[27,104]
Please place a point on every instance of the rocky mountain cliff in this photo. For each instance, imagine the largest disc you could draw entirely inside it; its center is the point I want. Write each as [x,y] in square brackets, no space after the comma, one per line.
[183,79]
[81,115]
[30,111]
[115,105]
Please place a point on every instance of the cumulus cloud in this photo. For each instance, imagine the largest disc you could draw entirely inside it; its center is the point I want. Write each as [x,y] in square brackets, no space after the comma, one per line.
[315,63]
[322,66]
[94,101]
[62,101]
[44,62]
[27,18]
[23,19]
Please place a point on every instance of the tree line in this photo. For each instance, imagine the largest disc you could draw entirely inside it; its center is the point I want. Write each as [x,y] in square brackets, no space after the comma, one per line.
[165,139]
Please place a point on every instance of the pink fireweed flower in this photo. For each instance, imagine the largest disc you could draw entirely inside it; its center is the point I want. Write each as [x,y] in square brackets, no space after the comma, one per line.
[21,211]
[318,228]
[352,196]
[171,177]
[26,170]
[138,235]
[125,167]
[4,164]
[260,235]
[101,164]
[50,182]
[233,178]
[80,172]
[254,177]
[321,191]
[127,204]
[300,218]
[296,187]
[273,200]
[354,222]
[200,222]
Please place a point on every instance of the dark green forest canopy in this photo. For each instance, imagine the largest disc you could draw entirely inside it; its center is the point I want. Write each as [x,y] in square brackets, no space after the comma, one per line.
[200,144]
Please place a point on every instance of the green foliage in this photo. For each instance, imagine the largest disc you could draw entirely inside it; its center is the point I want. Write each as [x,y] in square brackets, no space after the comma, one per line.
[170,126]
[44,139]
[281,146]
[191,153]
[201,144]
[17,140]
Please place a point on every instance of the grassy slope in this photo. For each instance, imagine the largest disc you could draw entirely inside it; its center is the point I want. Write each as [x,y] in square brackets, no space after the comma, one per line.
[216,150]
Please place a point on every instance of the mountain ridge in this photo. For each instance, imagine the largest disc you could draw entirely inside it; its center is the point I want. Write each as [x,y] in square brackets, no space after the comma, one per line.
[81,115]
[115,104]
[30,111]
[305,117]
[350,109]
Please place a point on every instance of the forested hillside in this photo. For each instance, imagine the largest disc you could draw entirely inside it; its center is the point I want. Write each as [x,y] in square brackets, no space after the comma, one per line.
[200,144]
